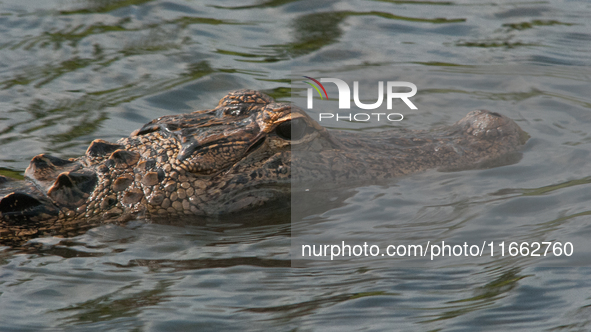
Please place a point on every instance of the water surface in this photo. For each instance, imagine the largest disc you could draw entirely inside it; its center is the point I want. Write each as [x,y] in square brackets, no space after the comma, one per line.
[74,71]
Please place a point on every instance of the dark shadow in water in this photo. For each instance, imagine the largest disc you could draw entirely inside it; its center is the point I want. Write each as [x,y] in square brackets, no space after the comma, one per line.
[115,305]
[301,309]
[264,4]
[311,32]
[484,296]
[171,265]
[104,6]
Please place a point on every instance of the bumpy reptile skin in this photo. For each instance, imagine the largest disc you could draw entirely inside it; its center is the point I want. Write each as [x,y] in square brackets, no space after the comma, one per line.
[244,153]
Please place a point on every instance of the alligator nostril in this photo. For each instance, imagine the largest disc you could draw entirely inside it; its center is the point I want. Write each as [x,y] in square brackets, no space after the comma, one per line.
[495,114]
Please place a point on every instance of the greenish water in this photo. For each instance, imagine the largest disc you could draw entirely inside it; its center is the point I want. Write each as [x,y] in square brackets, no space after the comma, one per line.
[74,71]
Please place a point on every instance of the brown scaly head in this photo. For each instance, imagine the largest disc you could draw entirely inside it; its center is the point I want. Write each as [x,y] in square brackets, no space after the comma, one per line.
[244,153]
[230,158]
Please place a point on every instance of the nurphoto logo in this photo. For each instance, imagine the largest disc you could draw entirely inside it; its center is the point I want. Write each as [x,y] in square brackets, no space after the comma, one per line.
[345,99]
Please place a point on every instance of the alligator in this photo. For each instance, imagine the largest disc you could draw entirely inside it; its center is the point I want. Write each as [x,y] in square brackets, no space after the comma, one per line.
[246,152]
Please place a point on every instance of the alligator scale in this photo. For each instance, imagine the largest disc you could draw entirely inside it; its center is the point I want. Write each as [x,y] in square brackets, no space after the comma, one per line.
[234,157]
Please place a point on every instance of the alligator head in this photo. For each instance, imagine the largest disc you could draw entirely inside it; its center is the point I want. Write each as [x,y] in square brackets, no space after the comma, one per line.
[242,154]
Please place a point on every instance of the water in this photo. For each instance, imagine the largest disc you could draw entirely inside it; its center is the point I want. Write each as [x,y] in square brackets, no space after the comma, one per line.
[74,71]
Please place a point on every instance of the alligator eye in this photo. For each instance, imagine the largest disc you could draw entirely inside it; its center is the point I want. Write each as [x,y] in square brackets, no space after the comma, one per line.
[292,130]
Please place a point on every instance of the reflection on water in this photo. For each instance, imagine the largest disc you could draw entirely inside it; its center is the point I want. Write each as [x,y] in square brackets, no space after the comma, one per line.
[74,71]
